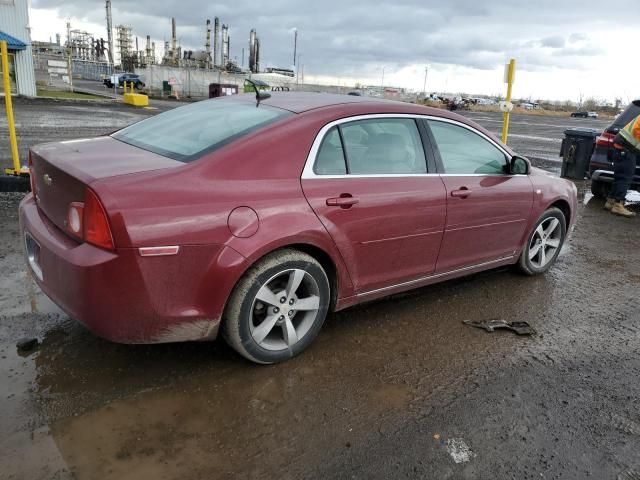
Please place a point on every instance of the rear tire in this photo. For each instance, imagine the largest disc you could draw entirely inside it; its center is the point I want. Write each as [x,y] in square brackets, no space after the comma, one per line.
[277,308]
[600,189]
[544,243]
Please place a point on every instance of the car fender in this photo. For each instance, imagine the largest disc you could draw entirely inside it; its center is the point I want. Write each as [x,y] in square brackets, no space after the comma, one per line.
[303,229]
[547,191]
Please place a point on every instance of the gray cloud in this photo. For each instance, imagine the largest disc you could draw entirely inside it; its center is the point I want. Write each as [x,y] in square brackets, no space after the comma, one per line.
[359,37]
[556,41]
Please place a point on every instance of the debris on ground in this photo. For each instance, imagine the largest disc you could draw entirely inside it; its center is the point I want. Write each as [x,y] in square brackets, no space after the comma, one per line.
[521,328]
[27,344]
[459,450]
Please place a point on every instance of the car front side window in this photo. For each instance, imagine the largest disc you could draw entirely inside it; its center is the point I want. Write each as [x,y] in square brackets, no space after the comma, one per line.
[464,152]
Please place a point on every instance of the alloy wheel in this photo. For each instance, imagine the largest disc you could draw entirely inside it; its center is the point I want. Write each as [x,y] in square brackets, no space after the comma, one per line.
[545,241]
[284,309]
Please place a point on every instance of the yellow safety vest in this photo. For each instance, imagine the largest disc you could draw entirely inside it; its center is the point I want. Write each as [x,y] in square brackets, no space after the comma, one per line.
[631,133]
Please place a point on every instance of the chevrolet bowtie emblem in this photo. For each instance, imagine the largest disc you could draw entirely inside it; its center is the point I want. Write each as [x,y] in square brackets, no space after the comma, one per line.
[47,179]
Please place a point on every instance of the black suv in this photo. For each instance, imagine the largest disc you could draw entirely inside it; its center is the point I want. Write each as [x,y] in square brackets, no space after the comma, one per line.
[601,165]
[125,77]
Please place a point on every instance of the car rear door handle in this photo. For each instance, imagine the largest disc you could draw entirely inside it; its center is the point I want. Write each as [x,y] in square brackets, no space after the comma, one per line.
[345,200]
[462,192]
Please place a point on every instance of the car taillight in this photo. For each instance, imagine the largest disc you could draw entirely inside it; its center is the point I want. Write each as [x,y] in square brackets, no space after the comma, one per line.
[95,223]
[605,140]
[32,175]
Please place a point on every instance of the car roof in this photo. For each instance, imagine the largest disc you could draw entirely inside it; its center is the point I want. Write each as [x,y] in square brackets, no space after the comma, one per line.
[299,102]
[346,105]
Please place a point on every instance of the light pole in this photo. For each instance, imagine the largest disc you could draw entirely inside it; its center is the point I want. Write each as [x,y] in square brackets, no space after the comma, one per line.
[382,82]
[424,87]
[298,69]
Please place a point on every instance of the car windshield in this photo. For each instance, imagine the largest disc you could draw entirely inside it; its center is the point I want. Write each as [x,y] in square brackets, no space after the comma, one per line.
[188,132]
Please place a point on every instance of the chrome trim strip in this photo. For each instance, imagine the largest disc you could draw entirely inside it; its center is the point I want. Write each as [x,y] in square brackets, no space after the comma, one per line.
[602,175]
[31,258]
[437,275]
[308,173]
[158,251]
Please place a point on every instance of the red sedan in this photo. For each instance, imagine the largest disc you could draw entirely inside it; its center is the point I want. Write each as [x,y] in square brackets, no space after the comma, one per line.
[256,220]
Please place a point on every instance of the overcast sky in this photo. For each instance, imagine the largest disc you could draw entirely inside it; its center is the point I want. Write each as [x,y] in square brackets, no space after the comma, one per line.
[564,48]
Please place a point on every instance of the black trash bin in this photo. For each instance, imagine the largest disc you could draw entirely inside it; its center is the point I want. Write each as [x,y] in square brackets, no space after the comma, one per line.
[576,150]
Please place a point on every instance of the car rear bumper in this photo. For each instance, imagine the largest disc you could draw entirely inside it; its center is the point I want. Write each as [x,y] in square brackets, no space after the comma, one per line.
[127,298]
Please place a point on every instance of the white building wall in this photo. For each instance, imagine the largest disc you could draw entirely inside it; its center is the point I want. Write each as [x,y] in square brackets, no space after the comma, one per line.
[14,20]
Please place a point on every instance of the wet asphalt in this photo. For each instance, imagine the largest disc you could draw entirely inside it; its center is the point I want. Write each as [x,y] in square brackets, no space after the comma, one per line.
[398,388]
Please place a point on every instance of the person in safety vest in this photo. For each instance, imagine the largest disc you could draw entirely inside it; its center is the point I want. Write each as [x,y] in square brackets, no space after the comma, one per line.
[627,143]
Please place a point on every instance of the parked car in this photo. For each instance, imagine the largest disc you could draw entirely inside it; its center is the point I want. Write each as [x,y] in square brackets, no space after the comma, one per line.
[258,220]
[601,165]
[585,114]
[125,77]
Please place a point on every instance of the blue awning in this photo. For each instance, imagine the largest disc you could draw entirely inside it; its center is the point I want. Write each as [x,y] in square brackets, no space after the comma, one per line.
[12,42]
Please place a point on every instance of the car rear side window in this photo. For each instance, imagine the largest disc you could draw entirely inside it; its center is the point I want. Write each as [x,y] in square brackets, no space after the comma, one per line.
[386,145]
[465,152]
[330,159]
[188,132]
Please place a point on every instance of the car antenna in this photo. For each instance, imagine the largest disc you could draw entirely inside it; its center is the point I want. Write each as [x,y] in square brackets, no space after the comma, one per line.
[259,95]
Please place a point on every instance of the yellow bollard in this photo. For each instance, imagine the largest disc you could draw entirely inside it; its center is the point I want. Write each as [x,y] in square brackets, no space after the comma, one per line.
[510,75]
[16,170]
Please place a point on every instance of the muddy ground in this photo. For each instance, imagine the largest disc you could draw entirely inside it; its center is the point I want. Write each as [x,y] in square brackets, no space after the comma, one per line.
[399,388]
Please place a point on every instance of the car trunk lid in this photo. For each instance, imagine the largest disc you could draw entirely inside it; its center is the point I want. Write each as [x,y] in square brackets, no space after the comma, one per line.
[63,170]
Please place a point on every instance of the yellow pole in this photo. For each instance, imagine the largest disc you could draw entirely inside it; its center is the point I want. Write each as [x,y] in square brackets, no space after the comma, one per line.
[511,70]
[7,100]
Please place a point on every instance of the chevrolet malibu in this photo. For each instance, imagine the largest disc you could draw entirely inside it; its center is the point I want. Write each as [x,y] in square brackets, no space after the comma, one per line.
[256,219]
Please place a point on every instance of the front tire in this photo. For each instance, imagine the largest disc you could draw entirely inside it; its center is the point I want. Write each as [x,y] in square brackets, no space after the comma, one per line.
[544,243]
[277,308]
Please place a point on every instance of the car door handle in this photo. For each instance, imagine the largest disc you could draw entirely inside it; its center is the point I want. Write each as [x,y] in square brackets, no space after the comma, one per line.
[346,200]
[462,192]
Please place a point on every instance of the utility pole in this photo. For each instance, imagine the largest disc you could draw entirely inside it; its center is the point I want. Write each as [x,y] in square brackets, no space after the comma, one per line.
[382,82]
[109,31]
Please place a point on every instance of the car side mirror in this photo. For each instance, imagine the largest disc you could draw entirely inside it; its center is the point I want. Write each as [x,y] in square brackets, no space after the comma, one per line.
[519,165]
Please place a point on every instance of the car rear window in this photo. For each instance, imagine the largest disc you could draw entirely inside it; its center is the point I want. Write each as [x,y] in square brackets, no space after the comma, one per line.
[625,117]
[186,133]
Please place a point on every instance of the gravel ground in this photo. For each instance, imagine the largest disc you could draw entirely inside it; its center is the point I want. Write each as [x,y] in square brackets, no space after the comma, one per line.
[398,388]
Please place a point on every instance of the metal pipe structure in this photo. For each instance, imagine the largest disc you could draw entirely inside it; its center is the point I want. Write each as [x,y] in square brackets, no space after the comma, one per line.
[109,31]
[174,57]
[257,55]
[207,43]
[225,45]
[147,52]
[252,50]
[216,41]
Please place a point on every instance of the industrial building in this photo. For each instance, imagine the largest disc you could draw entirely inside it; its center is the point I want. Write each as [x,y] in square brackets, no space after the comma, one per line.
[14,29]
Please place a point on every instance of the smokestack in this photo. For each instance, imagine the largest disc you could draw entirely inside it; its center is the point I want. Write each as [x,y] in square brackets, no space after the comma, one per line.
[216,41]
[257,55]
[109,31]
[58,39]
[225,45]
[173,40]
[252,50]
[147,52]
[153,52]
[207,44]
